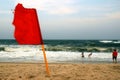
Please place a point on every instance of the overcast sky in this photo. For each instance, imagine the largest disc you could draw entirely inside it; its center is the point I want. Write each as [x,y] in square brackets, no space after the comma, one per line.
[67,19]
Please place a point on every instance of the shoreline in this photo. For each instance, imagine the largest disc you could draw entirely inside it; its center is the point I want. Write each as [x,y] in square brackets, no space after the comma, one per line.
[91,61]
[59,62]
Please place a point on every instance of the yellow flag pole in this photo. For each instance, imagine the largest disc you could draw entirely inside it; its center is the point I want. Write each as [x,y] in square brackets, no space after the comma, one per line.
[45,59]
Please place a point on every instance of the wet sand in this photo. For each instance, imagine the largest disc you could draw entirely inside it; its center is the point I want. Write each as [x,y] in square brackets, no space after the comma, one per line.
[60,71]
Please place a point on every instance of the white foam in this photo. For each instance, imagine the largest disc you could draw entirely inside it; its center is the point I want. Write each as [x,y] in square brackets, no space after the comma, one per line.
[116,42]
[35,54]
[21,48]
[106,41]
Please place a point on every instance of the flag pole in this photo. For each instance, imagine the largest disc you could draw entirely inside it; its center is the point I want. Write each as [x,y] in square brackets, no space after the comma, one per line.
[45,59]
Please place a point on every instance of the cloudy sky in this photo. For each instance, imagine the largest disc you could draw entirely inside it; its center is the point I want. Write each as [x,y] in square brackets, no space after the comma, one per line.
[67,19]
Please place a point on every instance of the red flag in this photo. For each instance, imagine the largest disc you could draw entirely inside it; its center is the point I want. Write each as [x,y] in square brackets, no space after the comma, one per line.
[27,30]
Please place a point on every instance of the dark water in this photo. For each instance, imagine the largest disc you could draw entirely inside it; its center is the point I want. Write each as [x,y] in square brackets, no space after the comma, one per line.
[74,45]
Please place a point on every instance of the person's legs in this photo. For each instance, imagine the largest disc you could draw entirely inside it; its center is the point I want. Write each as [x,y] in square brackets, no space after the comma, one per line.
[115,59]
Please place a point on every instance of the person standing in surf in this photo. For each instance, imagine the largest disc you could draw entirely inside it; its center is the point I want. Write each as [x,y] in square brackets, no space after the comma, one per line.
[82,55]
[114,56]
[89,55]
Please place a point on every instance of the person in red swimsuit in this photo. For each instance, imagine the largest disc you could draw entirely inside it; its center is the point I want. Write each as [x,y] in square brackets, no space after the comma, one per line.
[114,55]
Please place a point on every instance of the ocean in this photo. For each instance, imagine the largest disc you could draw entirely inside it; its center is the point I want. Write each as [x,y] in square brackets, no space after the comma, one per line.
[60,51]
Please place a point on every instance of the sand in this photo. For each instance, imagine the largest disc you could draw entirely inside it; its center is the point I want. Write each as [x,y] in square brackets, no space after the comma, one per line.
[60,71]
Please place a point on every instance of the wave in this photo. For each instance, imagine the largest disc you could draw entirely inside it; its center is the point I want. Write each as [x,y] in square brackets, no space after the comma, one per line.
[106,41]
[110,41]
[79,49]
[29,48]
[19,48]
[63,45]
[117,42]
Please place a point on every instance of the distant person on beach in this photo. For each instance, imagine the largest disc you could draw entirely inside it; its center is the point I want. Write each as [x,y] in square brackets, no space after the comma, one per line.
[114,56]
[89,55]
[83,55]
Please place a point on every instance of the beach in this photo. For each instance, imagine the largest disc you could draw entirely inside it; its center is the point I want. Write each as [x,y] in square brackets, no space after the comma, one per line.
[26,62]
[60,71]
